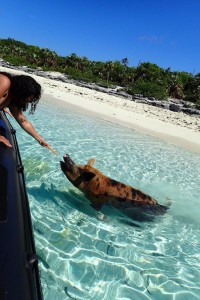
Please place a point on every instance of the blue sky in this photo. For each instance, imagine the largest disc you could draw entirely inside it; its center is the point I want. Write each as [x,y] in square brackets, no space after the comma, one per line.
[166,33]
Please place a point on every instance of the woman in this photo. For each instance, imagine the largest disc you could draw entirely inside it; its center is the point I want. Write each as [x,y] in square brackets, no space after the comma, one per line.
[18,92]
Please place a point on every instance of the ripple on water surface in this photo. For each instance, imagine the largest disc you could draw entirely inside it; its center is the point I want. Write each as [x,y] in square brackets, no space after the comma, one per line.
[83,257]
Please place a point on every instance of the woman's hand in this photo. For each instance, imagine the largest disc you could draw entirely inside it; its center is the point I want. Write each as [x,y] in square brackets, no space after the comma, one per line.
[43,143]
[4,141]
[7,112]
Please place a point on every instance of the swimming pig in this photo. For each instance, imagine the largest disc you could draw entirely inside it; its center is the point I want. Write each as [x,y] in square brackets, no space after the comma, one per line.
[100,189]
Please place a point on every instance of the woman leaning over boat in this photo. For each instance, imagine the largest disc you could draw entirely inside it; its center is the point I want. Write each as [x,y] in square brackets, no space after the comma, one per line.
[17,93]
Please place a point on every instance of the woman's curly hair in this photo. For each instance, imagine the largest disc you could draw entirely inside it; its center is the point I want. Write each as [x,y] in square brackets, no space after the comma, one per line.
[22,87]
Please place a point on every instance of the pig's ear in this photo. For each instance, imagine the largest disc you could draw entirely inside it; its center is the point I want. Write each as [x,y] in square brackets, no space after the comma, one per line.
[90,162]
[87,176]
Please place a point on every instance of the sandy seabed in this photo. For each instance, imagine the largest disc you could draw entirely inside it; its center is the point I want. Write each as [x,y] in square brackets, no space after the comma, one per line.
[174,127]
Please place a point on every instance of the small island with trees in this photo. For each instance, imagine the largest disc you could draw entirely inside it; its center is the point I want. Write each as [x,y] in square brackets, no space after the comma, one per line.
[147,79]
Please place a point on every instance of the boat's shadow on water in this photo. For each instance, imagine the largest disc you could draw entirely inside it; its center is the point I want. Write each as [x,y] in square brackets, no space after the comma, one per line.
[67,200]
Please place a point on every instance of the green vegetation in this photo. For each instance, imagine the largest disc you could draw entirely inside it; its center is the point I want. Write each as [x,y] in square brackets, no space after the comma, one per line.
[147,79]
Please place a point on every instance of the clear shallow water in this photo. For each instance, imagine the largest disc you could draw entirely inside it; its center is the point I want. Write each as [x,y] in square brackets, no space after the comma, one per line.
[82,257]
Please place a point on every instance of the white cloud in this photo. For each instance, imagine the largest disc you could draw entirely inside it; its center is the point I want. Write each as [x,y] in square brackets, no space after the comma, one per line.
[151,39]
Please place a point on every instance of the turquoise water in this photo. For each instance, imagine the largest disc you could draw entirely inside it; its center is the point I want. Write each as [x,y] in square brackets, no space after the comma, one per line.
[84,257]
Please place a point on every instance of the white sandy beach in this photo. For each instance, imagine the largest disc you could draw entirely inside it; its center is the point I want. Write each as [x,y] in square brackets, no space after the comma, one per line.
[177,128]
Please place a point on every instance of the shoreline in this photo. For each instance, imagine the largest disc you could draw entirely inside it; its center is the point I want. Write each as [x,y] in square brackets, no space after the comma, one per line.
[173,127]
[179,136]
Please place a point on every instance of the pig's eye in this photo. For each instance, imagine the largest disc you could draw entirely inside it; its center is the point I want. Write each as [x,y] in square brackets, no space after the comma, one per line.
[80,171]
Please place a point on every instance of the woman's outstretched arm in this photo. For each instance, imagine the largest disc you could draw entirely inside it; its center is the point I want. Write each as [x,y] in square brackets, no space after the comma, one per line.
[26,125]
